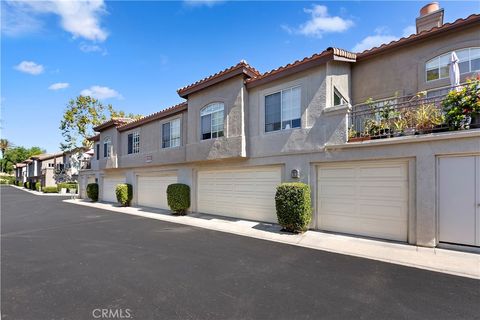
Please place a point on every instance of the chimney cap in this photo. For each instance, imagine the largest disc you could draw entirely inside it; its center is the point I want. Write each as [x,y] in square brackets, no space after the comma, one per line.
[429,8]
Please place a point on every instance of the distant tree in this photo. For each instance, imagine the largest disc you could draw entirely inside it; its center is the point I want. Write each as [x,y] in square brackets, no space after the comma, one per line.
[16,155]
[80,117]
[4,146]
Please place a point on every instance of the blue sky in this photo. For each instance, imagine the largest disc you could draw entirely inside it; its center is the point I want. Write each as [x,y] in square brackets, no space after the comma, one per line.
[135,55]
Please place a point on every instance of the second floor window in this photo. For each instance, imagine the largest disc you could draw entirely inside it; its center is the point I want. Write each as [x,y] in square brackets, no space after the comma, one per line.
[134,143]
[338,99]
[283,110]
[107,146]
[212,121]
[171,134]
[439,67]
[97,151]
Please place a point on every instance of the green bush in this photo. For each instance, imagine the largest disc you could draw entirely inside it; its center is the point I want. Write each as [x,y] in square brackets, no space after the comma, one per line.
[178,198]
[27,185]
[67,185]
[293,204]
[52,189]
[124,193]
[7,180]
[38,186]
[92,191]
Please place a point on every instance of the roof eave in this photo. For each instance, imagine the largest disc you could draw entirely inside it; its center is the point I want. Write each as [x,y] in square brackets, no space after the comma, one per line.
[161,115]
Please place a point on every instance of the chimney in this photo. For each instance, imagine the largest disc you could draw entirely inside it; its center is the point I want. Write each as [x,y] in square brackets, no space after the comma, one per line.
[430,16]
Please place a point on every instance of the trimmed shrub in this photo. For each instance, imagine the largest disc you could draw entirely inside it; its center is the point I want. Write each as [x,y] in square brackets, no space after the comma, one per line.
[178,198]
[124,193]
[26,185]
[38,186]
[7,180]
[52,189]
[67,185]
[92,191]
[293,204]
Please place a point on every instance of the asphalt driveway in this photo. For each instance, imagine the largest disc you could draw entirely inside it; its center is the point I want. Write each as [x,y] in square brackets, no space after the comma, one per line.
[62,261]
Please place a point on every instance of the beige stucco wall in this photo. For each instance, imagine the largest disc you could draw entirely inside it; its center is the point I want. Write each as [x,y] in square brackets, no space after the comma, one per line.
[402,70]
[112,161]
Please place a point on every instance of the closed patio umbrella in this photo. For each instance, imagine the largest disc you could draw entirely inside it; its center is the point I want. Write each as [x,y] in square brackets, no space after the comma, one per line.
[454,71]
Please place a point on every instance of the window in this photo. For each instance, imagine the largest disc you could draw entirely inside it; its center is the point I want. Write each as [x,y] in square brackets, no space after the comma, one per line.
[171,134]
[134,143]
[97,151]
[338,99]
[439,68]
[212,121]
[107,143]
[282,110]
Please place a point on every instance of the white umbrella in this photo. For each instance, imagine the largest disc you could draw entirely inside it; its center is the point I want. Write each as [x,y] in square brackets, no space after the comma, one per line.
[454,71]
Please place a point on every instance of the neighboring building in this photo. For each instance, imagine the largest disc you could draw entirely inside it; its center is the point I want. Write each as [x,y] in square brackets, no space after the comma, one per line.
[240,133]
[20,172]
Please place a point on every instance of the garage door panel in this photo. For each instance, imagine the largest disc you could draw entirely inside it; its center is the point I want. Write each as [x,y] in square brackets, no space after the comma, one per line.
[109,186]
[245,194]
[152,190]
[368,198]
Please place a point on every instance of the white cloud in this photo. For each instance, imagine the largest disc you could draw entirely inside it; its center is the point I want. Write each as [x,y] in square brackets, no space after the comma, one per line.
[17,22]
[100,92]
[80,18]
[382,35]
[59,85]
[198,3]
[88,48]
[320,22]
[30,67]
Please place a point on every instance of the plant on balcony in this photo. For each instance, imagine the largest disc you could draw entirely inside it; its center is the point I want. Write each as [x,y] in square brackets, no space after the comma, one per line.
[427,117]
[462,105]
[293,206]
[178,198]
[92,191]
[124,193]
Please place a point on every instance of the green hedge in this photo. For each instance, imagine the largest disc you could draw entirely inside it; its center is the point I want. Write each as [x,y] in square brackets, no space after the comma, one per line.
[38,186]
[178,197]
[67,185]
[7,180]
[92,191]
[52,189]
[124,193]
[293,204]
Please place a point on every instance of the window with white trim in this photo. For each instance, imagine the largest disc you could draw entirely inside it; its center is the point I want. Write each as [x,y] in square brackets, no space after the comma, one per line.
[107,146]
[133,142]
[283,110]
[211,118]
[338,99]
[171,134]
[439,67]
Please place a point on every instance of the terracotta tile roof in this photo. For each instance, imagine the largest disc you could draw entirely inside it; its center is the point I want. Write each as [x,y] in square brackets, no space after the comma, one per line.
[20,165]
[240,68]
[301,65]
[94,138]
[40,156]
[51,156]
[112,122]
[459,23]
[27,161]
[154,116]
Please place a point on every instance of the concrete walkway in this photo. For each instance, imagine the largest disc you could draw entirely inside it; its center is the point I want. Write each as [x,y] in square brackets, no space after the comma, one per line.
[441,260]
[39,193]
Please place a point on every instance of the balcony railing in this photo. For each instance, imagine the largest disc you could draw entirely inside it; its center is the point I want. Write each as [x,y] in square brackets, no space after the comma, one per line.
[402,116]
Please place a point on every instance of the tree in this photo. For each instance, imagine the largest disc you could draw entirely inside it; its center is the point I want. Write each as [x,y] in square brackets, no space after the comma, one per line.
[80,117]
[4,146]
[16,155]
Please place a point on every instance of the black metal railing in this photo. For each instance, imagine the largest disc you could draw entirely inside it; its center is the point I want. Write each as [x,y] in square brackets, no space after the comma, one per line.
[402,116]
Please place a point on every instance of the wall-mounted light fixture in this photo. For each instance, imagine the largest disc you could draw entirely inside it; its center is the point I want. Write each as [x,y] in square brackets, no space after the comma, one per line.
[295,174]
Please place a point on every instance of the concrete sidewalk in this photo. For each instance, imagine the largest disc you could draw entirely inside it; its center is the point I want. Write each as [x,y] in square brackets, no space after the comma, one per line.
[441,260]
[39,193]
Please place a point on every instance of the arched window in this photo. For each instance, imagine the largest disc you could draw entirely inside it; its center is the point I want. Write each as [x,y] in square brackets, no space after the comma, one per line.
[107,146]
[211,118]
[438,67]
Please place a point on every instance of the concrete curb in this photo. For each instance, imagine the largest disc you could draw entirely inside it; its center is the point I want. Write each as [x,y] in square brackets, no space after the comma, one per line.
[457,263]
[37,193]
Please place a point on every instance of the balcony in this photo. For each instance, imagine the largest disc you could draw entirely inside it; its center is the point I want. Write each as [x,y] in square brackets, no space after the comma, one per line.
[443,109]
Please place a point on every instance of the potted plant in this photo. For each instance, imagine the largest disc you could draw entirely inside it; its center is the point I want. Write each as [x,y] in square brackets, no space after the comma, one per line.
[427,117]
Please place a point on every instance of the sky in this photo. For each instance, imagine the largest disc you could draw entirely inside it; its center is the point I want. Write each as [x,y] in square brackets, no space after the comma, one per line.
[136,54]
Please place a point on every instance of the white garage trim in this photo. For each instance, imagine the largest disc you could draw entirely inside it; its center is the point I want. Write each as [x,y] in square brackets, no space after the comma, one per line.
[367,198]
[108,187]
[239,193]
[152,189]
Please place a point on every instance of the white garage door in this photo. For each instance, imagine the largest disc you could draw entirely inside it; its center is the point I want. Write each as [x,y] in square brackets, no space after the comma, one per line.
[109,185]
[152,191]
[245,194]
[364,198]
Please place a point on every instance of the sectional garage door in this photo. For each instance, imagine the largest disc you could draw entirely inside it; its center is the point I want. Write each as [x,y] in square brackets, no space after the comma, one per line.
[152,190]
[109,185]
[368,198]
[245,194]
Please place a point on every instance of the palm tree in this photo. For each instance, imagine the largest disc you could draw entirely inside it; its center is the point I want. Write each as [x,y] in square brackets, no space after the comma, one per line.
[4,146]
